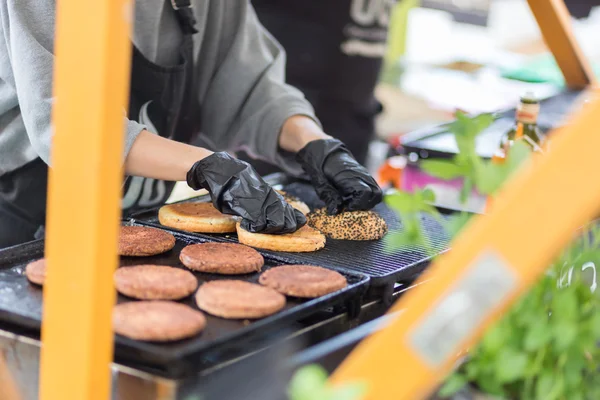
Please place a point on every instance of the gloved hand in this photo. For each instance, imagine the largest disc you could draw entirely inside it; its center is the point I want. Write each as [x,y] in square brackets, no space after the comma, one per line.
[236,188]
[340,181]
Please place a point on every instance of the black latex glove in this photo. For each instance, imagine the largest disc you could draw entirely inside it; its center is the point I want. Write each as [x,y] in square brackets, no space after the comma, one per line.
[236,189]
[341,182]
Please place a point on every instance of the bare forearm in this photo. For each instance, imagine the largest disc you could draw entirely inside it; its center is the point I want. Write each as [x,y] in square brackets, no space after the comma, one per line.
[297,131]
[152,156]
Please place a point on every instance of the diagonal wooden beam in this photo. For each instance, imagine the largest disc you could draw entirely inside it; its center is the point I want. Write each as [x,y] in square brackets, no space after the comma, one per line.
[490,264]
[91,78]
[554,21]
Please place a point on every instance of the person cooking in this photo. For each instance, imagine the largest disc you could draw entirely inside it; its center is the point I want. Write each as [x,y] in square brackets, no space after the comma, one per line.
[202,71]
[335,50]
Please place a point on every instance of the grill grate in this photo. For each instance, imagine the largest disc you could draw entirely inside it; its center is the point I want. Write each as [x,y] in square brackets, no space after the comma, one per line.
[369,258]
[221,341]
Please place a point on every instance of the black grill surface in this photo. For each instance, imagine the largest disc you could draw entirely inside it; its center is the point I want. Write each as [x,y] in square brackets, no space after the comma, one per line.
[222,340]
[368,257]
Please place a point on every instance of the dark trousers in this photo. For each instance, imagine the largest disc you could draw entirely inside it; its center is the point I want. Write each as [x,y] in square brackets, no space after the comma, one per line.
[23,203]
[581,8]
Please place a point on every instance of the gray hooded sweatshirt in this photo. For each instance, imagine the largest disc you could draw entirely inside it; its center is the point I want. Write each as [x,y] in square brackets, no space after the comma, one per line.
[240,68]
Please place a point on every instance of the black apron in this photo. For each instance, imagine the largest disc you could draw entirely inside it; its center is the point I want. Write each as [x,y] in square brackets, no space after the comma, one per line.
[323,41]
[160,96]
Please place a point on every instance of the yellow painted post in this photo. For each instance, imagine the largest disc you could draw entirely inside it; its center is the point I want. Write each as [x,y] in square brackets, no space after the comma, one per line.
[490,264]
[554,21]
[91,81]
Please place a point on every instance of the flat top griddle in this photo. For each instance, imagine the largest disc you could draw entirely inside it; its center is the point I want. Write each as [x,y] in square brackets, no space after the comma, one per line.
[21,306]
[366,257]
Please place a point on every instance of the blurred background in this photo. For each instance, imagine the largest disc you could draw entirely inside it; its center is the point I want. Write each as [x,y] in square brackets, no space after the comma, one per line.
[473,55]
[378,69]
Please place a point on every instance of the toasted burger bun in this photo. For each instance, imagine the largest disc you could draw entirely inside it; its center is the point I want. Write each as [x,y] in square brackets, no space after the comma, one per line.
[305,239]
[348,225]
[196,217]
[295,202]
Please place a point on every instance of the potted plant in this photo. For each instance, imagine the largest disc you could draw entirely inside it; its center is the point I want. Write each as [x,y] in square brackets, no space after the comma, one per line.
[546,346]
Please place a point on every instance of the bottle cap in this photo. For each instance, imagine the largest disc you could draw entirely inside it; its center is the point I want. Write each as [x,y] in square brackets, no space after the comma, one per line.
[529,98]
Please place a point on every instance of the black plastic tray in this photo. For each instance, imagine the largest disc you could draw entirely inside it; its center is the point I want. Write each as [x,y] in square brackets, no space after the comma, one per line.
[222,340]
[368,257]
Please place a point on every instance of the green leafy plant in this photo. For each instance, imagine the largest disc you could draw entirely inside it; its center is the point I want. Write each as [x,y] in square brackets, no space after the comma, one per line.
[410,207]
[546,346]
[310,383]
[484,175]
[466,164]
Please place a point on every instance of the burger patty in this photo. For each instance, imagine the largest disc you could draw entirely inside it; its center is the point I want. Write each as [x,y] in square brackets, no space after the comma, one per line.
[221,258]
[154,282]
[305,281]
[36,272]
[139,241]
[238,299]
[157,321]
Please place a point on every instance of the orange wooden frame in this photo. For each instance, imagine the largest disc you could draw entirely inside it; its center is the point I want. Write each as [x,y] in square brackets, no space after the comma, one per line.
[91,78]
[490,264]
[554,21]
[493,261]
[398,363]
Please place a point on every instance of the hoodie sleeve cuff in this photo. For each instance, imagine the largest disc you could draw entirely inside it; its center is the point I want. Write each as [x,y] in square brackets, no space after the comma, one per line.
[132,130]
[272,129]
